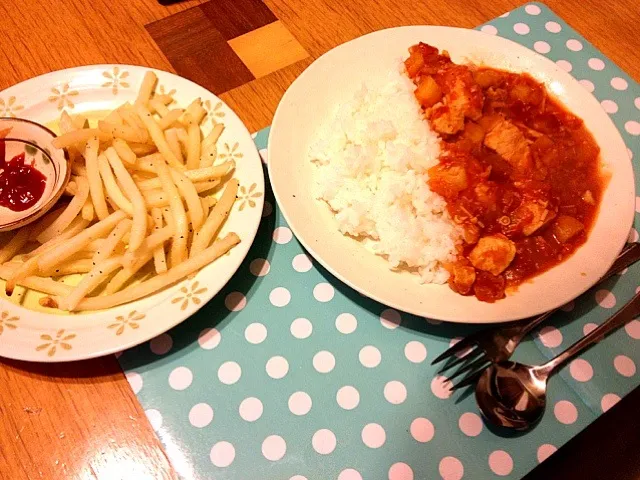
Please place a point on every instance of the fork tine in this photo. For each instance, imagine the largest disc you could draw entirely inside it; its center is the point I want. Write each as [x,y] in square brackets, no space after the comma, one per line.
[467,357]
[470,367]
[458,347]
[470,379]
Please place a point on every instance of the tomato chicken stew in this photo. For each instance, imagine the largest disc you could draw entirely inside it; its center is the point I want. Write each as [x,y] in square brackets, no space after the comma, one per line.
[520,174]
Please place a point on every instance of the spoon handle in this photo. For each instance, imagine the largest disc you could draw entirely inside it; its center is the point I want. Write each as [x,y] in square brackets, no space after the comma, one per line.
[627,313]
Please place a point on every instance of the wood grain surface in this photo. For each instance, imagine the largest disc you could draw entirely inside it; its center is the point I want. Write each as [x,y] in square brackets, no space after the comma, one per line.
[81,420]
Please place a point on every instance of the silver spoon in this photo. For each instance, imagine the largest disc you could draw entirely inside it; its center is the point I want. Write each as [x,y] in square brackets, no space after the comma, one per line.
[513,395]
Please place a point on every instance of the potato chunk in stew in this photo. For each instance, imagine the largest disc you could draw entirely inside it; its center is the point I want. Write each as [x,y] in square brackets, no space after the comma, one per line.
[566,227]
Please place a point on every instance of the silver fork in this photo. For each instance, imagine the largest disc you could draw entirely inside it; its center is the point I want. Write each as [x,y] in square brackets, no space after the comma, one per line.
[498,343]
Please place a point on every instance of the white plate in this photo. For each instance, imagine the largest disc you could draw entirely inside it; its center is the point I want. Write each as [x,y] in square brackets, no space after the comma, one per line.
[26,334]
[333,79]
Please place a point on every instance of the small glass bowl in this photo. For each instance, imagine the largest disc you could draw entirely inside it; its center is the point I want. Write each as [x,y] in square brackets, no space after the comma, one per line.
[35,141]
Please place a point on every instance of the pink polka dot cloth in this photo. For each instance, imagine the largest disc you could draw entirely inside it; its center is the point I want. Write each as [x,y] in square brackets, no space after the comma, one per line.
[290,375]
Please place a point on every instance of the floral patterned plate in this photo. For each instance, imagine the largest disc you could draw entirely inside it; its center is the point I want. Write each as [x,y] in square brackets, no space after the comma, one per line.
[30,332]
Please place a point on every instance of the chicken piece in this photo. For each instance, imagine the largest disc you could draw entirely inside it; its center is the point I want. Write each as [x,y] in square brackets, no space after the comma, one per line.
[447,180]
[566,227]
[531,215]
[508,141]
[462,278]
[493,254]
[487,194]
[445,120]
[462,99]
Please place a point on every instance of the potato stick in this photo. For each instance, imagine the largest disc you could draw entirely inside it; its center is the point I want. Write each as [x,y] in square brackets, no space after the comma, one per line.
[139,226]
[213,136]
[66,122]
[94,245]
[157,106]
[193,147]
[87,210]
[142,149]
[198,114]
[125,132]
[131,118]
[108,245]
[70,267]
[163,280]
[191,108]
[93,175]
[110,184]
[196,176]
[209,151]
[147,163]
[89,282]
[70,213]
[83,254]
[79,122]
[124,151]
[153,241]
[79,136]
[75,228]
[178,251]
[114,118]
[168,218]
[205,186]
[70,189]
[158,198]
[158,136]
[194,112]
[45,221]
[124,275]
[146,88]
[165,99]
[217,216]
[28,268]
[78,169]
[14,245]
[190,194]
[58,254]
[208,156]
[174,144]
[170,118]
[183,137]
[159,257]
[44,285]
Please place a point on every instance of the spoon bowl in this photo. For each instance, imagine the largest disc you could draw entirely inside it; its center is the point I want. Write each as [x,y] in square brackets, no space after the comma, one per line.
[512,395]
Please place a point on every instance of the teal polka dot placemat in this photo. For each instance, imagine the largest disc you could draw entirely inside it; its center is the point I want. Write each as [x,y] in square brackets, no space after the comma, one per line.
[289,374]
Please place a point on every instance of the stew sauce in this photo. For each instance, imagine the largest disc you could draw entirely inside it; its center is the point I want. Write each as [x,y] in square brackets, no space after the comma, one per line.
[520,173]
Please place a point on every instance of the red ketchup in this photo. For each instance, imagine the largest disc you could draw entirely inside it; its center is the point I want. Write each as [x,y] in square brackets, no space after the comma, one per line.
[21,185]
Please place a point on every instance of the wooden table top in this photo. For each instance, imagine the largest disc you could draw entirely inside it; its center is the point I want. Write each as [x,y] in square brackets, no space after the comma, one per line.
[81,420]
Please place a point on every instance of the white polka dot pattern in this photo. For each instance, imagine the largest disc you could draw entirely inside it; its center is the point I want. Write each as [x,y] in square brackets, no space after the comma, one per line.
[285,365]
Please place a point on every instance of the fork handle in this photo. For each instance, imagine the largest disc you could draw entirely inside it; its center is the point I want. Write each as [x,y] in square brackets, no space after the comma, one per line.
[629,255]
[627,313]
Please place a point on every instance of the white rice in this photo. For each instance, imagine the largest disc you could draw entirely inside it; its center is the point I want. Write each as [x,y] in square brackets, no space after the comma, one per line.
[371,169]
